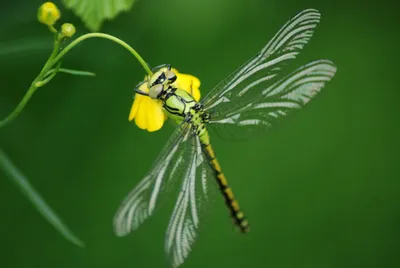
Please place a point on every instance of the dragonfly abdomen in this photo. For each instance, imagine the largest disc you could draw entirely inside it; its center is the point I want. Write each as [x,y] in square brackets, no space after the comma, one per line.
[232,203]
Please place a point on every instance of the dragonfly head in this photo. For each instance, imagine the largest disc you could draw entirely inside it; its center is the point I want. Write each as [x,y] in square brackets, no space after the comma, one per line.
[160,81]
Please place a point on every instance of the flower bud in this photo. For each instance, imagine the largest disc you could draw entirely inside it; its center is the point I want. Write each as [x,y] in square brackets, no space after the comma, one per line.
[67,30]
[48,14]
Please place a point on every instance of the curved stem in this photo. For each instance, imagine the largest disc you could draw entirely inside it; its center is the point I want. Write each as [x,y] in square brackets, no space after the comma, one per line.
[20,106]
[55,58]
[109,37]
[32,89]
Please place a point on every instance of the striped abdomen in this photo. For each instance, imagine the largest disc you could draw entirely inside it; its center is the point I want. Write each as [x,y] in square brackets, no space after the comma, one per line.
[230,199]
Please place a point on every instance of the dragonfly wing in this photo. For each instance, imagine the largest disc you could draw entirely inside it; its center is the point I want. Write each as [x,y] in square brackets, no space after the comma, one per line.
[143,199]
[184,223]
[265,66]
[290,93]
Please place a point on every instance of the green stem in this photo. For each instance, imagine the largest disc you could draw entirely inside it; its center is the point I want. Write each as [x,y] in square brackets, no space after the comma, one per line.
[47,79]
[32,89]
[109,37]
[50,62]
[55,57]
[21,105]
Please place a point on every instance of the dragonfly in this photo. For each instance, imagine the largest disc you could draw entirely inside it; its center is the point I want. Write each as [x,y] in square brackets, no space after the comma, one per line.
[246,103]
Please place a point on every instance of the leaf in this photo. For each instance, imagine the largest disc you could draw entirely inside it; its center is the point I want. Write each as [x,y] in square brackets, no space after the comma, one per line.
[22,182]
[71,71]
[94,12]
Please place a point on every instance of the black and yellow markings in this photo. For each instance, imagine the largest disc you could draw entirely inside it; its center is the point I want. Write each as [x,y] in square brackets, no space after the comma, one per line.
[244,226]
[240,215]
[170,92]
[230,199]
[210,152]
[200,129]
[229,193]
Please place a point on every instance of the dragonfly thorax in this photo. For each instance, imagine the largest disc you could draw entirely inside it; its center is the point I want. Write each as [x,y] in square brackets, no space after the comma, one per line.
[177,103]
[180,106]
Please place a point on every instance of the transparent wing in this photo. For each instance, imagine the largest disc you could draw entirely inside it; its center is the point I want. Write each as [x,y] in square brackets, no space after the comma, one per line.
[191,203]
[142,200]
[263,68]
[292,92]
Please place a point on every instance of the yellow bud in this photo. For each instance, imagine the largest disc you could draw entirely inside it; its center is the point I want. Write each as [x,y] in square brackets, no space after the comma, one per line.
[67,30]
[48,13]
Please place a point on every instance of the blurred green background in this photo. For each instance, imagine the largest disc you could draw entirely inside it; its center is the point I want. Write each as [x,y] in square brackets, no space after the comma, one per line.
[320,190]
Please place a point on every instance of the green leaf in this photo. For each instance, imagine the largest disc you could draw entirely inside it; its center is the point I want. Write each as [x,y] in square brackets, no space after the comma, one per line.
[22,182]
[69,71]
[76,72]
[94,12]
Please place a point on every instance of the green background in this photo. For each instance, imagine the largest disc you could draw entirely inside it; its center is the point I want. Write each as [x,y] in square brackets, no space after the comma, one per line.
[320,190]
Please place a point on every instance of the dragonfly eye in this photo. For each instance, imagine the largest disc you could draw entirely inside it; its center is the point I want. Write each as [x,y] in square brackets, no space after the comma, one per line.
[156,91]
[160,79]
[171,76]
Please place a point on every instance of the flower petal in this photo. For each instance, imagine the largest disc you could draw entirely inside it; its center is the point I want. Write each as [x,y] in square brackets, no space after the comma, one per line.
[196,88]
[189,83]
[155,116]
[135,107]
[140,118]
[149,115]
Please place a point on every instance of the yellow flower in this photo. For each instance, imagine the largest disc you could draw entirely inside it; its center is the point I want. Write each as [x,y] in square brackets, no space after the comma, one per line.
[48,13]
[148,113]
